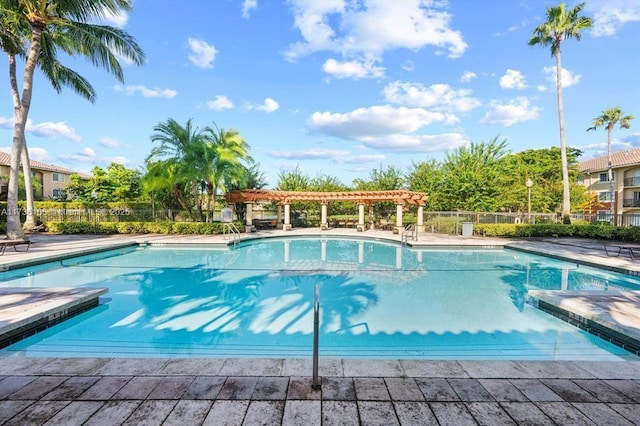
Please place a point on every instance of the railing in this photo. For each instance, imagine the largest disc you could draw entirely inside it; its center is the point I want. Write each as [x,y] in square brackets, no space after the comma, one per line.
[409,231]
[630,202]
[315,384]
[230,231]
[634,181]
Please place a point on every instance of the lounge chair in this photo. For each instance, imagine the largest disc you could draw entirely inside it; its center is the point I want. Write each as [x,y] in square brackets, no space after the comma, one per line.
[614,250]
[14,243]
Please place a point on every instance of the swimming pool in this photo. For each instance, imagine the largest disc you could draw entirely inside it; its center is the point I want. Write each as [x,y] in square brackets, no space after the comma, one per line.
[378,300]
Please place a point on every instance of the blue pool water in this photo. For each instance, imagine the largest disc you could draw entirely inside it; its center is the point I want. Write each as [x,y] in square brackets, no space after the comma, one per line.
[377,300]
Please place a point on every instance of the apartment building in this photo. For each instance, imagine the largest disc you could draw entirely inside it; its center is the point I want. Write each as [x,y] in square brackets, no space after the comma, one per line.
[626,181]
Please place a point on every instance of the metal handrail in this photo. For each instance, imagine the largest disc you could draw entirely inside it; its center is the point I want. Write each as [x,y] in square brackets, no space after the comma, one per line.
[409,230]
[232,231]
[315,385]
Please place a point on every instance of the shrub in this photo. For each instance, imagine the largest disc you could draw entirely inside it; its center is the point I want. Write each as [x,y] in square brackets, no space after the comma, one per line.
[199,228]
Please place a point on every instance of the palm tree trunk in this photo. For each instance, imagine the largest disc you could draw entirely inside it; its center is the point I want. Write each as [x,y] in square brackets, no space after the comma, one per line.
[29,222]
[566,194]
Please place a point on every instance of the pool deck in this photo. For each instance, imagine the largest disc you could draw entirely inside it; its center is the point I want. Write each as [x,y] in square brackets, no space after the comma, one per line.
[278,391]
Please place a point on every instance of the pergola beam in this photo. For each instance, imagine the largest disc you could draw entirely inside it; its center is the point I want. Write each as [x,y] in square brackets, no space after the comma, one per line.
[365,197]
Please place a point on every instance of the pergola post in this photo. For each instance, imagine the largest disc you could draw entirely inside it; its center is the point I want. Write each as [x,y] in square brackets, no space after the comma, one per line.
[398,229]
[287,217]
[420,221]
[323,217]
[248,223]
[360,227]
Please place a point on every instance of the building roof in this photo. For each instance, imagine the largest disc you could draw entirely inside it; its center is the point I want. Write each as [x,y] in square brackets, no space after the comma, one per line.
[618,159]
[5,160]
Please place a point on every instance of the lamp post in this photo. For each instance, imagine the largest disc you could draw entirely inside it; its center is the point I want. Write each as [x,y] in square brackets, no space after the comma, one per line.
[529,184]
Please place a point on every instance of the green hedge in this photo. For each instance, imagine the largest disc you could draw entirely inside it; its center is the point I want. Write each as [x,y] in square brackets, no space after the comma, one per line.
[599,232]
[198,228]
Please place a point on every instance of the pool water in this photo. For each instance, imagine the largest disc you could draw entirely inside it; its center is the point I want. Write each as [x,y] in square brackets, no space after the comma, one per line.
[377,299]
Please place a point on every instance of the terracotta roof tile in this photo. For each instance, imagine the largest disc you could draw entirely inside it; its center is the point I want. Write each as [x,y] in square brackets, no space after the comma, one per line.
[618,159]
[5,160]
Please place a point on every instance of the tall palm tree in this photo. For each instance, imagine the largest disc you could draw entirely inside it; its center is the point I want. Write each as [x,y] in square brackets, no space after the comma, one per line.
[609,118]
[45,27]
[561,24]
[223,154]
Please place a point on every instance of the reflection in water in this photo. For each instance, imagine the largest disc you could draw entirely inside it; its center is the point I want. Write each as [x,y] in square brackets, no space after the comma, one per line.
[376,300]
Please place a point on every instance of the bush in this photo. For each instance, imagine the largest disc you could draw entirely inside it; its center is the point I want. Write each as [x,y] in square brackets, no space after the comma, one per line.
[199,228]
[598,232]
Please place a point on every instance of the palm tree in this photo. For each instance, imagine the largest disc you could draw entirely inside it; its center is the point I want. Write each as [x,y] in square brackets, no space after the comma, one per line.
[609,118]
[561,24]
[224,152]
[44,26]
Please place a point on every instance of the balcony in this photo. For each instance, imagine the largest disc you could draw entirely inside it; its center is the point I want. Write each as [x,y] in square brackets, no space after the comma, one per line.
[630,202]
[634,181]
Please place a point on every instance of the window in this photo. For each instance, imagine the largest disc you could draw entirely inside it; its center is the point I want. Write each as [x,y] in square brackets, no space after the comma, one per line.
[57,177]
[604,177]
[604,196]
[57,193]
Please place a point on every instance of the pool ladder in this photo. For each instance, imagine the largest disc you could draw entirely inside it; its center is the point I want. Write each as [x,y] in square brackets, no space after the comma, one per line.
[230,231]
[409,231]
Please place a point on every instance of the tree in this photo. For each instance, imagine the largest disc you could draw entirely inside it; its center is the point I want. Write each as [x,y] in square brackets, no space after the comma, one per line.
[43,27]
[609,118]
[426,177]
[561,24]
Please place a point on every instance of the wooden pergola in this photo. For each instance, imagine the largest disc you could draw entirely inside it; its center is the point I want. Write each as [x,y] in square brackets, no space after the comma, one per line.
[362,198]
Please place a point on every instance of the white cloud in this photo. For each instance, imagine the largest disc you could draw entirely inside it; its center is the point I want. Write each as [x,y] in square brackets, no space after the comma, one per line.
[247,6]
[440,97]
[363,159]
[467,76]
[610,16]
[409,66]
[146,92]
[86,155]
[269,105]
[49,130]
[541,88]
[566,77]
[369,28]
[38,154]
[219,103]
[513,79]
[513,112]
[108,142]
[364,124]
[118,160]
[118,20]
[352,69]
[417,143]
[202,54]
[310,154]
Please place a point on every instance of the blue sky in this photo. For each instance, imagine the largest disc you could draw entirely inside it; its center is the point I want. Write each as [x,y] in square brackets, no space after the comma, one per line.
[340,87]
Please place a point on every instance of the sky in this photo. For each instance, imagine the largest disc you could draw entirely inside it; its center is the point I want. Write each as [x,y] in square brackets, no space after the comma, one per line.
[342,87]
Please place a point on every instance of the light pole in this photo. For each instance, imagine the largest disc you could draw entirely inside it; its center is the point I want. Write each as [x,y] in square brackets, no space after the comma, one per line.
[529,184]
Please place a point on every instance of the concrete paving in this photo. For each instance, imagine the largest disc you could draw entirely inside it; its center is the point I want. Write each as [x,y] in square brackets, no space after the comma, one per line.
[278,391]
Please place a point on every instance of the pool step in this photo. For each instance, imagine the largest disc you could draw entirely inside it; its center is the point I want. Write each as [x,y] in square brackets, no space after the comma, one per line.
[25,311]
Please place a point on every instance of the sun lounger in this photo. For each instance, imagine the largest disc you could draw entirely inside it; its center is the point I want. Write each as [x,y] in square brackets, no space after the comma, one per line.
[14,243]
[615,249]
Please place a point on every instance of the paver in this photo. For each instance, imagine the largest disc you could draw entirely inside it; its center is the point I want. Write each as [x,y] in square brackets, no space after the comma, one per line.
[470,390]
[535,390]
[192,366]
[113,413]
[568,390]
[188,412]
[371,388]
[526,413]
[373,413]
[308,413]
[489,414]
[226,413]
[602,414]
[629,388]
[338,388]
[251,367]
[630,412]
[131,367]
[433,368]
[105,387]
[368,368]
[340,413]
[72,388]
[414,413]
[238,388]
[171,387]
[150,413]
[488,369]
[564,414]
[403,389]
[301,388]
[452,413]
[37,388]
[12,384]
[138,387]
[76,413]
[70,366]
[204,387]
[436,389]
[271,388]
[503,390]
[603,391]
[38,413]
[9,409]
[264,413]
